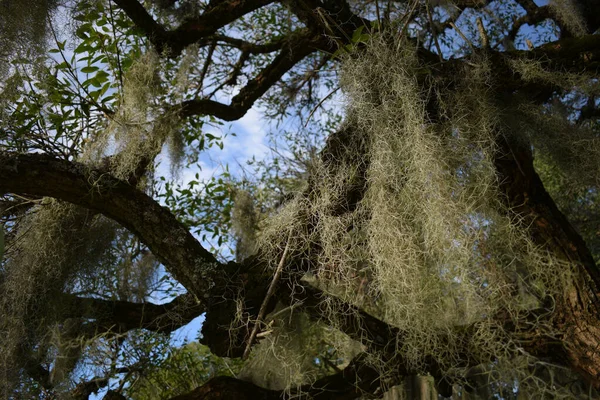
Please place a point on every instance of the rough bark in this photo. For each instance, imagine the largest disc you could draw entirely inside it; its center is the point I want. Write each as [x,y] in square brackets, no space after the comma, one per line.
[356,380]
[577,311]
[169,241]
[123,316]
[192,30]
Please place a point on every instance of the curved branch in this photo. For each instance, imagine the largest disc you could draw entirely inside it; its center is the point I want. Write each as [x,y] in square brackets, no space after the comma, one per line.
[297,47]
[122,316]
[192,30]
[173,245]
[356,380]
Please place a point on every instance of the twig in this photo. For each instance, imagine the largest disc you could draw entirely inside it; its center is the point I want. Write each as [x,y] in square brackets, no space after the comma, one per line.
[278,313]
[263,306]
[408,17]
[207,63]
[485,41]
[112,22]
[433,31]
[264,334]
[462,35]
[319,105]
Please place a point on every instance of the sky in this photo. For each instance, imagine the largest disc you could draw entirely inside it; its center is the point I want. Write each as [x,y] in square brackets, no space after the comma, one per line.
[250,141]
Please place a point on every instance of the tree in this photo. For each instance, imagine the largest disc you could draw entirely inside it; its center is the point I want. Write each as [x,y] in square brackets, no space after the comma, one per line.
[426,238]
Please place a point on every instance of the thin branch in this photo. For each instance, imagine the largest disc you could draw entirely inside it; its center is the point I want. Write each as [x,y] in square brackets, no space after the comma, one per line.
[193,30]
[270,291]
[300,45]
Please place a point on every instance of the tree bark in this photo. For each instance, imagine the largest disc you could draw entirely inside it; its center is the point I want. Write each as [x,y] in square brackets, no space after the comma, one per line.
[577,312]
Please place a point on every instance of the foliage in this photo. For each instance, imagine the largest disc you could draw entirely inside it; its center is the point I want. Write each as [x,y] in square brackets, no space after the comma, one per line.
[397,210]
[182,370]
[429,247]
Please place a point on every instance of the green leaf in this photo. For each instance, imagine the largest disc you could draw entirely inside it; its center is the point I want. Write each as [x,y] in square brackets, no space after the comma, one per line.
[89,69]
[104,88]
[95,94]
[82,48]
[357,34]
[83,31]
[102,76]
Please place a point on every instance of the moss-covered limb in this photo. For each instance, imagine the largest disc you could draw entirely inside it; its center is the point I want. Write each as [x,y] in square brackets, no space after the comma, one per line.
[122,316]
[355,381]
[136,172]
[215,286]
[191,31]
[36,174]
[526,196]
[578,310]
[527,72]
[577,54]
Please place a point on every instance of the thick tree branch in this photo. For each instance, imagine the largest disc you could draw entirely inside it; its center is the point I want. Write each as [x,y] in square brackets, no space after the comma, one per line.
[41,175]
[356,380]
[577,312]
[573,55]
[145,22]
[297,47]
[122,316]
[192,30]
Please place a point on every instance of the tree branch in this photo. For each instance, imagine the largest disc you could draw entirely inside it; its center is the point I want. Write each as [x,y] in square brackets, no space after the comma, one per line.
[122,316]
[356,380]
[191,31]
[577,311]
[173,245]
[297,47]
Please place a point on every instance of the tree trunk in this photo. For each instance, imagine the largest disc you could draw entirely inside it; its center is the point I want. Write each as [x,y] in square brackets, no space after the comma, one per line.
[418,387]
[576,313]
